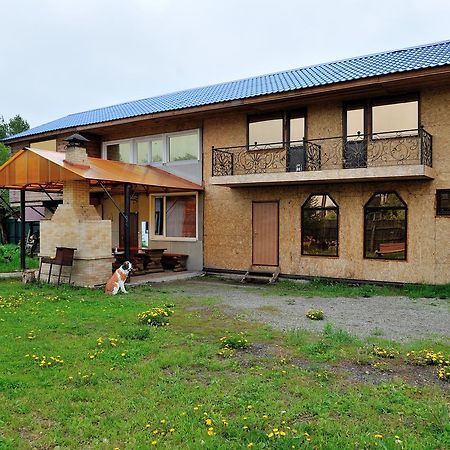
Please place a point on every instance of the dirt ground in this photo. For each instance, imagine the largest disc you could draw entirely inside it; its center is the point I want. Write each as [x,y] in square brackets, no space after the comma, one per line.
[396,318]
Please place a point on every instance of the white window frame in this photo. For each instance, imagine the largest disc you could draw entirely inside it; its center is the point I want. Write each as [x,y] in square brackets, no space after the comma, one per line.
[163,237]
[165,137]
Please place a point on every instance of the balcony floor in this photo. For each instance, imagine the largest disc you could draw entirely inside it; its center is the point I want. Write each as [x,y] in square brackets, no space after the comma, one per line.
[382,173]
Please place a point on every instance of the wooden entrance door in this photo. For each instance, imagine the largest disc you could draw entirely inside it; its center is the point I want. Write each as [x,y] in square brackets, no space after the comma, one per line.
[133,218]
[265,234]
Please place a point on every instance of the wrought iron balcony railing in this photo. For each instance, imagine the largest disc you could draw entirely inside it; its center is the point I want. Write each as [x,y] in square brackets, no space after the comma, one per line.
[358,151]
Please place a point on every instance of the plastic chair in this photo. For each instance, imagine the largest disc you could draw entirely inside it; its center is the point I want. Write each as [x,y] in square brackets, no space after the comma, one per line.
[63,257]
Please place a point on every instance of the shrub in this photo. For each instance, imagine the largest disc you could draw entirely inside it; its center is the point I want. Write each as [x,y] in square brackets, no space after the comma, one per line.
[156,317]
[234,341]
[315,314]
[427,358]
[384,352]
[443,373]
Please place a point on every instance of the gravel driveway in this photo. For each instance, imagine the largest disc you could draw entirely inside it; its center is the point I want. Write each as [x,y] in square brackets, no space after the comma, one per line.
[396,318]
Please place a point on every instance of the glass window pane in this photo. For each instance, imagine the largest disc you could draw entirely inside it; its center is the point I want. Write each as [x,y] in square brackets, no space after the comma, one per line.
[297,129]
[385,227]
[443,203]
[181,216]
[319,201]
[183,147]
[143,153]
[157,150]
[119,152]
[387,119]
[387,200]
[355,123]
[159,216]
[265,131]
[320,226]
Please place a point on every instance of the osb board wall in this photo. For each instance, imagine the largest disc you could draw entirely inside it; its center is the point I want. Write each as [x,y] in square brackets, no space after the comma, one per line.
[149,128]
[93,147]
[227,216]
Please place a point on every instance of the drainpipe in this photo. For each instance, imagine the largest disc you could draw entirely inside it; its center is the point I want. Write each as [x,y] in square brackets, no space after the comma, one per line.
[126,193]
[23,265]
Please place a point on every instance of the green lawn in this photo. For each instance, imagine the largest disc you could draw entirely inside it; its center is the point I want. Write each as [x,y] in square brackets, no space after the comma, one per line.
[10,259]
[167,387]
[322,288]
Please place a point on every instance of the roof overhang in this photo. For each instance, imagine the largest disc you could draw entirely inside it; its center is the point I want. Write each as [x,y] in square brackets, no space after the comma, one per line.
[33,169]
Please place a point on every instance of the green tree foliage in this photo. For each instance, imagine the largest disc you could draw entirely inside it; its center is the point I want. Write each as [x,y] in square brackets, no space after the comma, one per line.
[15,125]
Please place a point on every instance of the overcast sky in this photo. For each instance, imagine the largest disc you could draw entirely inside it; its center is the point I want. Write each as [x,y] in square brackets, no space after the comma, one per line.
[64,56]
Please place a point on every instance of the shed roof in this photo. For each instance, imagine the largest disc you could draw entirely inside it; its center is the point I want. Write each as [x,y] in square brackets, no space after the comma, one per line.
[389,62]
[34,169]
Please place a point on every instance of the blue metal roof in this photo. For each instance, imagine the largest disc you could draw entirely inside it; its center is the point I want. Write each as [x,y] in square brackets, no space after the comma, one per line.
[413,58]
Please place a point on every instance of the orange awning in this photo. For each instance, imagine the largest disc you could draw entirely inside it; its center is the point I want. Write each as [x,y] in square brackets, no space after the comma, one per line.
[34,169]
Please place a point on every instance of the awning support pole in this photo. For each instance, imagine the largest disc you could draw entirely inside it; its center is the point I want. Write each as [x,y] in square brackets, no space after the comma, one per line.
[37,211]
[23,265]
[49,196]
[13,212]
[126,192]
[114,203]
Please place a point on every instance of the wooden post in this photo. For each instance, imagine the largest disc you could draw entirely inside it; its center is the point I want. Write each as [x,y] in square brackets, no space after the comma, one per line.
[22,230]
[126,192]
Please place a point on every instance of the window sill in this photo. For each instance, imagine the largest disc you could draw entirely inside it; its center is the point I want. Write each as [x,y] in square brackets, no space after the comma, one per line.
[172,239]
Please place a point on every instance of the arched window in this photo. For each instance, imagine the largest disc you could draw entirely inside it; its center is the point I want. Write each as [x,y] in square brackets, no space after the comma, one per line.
[385,227]
[320,226]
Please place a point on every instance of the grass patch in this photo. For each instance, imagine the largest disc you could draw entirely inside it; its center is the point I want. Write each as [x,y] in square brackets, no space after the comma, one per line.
[167,385]
[322,288]
[10,259]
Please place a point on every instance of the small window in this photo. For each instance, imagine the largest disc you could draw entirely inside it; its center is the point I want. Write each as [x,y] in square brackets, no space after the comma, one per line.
[265,130]
[119,152]
[156,150]
[181,216]
[296,129]
[395,119]
[320,226]
[159,216]
[385,227]
[443,202]
[183,147]
[175,216]
[143,153]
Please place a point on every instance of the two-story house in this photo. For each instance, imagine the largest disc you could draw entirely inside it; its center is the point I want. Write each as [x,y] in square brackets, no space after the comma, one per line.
[337,170]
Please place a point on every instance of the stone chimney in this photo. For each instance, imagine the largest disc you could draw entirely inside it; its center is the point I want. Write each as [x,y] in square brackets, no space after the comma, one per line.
[76,153]
[77,224]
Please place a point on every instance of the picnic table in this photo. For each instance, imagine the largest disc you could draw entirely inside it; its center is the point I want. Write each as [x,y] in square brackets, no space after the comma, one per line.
[144,260]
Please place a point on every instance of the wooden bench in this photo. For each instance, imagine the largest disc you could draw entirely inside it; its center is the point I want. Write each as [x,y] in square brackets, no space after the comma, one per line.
[386,249]
[174,261]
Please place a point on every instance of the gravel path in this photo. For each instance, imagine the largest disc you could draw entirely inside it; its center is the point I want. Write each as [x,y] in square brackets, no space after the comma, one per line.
[396,318]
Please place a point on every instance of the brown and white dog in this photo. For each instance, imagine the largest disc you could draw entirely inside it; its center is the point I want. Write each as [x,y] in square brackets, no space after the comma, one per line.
[117,281]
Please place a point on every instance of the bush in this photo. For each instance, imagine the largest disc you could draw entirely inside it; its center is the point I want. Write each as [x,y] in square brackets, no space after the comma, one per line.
[315,314]
[234,342]
[156,317]
[384,352]
[427,358]
[443,373]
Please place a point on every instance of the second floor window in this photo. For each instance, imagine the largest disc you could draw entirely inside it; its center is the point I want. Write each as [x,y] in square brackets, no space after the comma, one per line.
[268,129]
[163,148]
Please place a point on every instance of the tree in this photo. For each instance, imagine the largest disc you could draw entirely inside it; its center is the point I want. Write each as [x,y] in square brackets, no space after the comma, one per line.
[15,125]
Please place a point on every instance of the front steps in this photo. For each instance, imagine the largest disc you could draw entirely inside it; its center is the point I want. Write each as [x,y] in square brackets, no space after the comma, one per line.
[253,275]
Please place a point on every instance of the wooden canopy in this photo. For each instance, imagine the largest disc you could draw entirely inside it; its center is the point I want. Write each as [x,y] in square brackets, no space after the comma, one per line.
[33,169]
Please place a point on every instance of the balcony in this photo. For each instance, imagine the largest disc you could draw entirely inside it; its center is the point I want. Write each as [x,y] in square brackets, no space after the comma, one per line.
[403,154]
